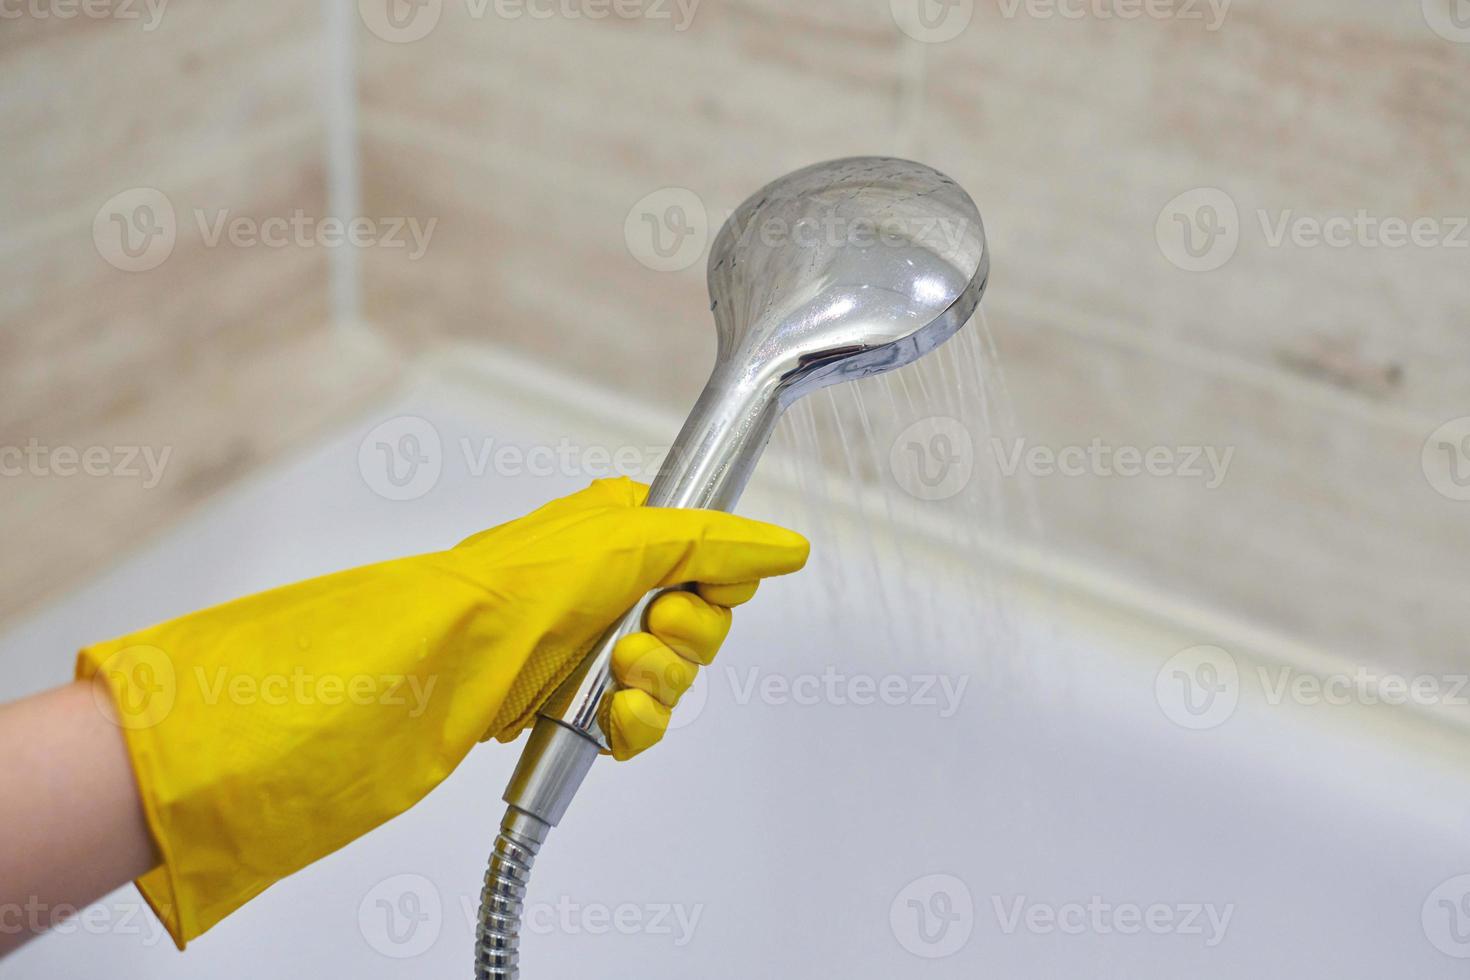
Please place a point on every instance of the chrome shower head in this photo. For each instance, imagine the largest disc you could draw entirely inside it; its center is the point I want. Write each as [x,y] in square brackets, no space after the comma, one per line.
[832,273]
[844,269]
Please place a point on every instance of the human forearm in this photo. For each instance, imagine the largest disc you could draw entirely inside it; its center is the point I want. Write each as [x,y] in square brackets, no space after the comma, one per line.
[73,826]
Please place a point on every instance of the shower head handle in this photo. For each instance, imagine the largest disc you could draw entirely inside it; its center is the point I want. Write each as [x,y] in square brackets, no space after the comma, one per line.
[834,272]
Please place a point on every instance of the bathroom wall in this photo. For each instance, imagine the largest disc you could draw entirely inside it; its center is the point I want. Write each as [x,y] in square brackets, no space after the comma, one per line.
[546,149]
[177,371]
[546,145]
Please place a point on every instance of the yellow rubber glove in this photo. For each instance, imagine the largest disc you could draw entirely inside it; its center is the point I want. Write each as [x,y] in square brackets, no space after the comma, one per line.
[267,732]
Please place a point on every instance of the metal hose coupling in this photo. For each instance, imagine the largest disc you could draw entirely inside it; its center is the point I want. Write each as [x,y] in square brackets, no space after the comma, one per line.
[551,768]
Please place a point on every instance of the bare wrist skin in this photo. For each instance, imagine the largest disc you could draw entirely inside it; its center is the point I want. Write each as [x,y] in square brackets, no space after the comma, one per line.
[74,827]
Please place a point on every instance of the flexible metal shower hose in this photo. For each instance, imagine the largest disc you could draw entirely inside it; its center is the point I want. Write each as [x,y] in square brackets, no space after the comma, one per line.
[498,934]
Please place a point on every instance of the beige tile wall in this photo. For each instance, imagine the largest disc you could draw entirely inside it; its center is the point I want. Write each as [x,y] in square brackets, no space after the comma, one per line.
[1325,369]
[530,140]
[219,356]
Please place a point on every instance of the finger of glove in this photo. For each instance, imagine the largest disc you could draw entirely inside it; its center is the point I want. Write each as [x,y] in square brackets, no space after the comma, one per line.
[688,625]
[634,722]
[682,546]
[734,594]
[642,661]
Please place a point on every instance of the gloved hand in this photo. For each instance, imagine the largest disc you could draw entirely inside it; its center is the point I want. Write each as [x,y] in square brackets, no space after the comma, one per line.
[267,732]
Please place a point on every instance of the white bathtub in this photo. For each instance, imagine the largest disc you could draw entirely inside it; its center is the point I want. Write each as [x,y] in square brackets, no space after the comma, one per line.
[1056,824]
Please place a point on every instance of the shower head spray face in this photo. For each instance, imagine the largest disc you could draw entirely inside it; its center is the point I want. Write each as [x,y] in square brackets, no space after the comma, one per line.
[832,273]
[835,272]
[844,269]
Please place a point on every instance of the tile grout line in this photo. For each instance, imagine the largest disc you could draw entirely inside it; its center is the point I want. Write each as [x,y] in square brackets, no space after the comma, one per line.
[343,151]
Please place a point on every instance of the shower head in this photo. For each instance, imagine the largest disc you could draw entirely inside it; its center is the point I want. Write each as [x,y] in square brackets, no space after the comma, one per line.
[844,269]
[832,273]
